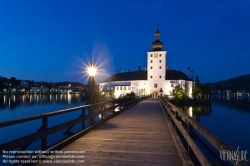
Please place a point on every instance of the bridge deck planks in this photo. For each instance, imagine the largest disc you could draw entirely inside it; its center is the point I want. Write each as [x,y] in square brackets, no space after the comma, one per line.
[137,136]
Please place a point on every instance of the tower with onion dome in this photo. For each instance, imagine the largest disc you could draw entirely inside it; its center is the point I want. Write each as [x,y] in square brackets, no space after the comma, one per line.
[156,65]
[154,81]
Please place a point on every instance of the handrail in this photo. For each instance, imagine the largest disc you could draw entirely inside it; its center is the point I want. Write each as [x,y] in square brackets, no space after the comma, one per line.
[186,124]
[49,114]
[44,131]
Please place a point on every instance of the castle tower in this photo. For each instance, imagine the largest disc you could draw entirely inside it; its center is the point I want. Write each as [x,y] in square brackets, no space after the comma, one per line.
[156,65]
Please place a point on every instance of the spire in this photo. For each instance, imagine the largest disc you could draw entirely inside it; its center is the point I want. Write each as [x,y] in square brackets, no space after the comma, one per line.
[157,33]
[157,44]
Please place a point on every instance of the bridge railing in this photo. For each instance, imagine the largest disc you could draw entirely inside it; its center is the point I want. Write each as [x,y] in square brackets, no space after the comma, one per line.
[105,110]
[198,137]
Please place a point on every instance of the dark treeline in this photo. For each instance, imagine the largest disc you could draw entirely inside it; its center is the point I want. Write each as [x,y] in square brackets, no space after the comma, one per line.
[13,82]
[232,84]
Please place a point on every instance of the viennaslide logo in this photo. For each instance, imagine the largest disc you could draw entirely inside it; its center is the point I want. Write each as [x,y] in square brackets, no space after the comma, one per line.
[236,155]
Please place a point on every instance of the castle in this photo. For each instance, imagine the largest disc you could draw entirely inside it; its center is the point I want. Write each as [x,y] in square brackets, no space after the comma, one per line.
[155,80]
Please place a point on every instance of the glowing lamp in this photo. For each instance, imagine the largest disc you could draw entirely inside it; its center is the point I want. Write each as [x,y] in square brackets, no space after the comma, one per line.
[92,69]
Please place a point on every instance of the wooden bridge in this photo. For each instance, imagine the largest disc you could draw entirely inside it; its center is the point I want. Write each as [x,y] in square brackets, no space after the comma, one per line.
[141,132]
[138,136]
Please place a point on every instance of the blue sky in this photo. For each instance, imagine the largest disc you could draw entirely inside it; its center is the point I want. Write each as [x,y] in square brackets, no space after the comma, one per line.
[52,40]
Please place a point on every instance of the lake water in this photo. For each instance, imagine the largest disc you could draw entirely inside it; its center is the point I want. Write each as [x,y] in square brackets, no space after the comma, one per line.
[228,118]
[19,106]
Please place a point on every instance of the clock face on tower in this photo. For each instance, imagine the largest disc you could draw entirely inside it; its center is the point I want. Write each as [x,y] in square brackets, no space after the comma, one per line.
[156,55]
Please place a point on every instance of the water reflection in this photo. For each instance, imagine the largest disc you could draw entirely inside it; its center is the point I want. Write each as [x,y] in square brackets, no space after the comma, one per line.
[14,101]
[197,111]
[240,103]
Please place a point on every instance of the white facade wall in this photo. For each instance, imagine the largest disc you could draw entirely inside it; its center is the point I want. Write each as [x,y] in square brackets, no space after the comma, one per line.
[144,87]
[167,88]
[190,88]
[140,87]
[156,64]
[120,91]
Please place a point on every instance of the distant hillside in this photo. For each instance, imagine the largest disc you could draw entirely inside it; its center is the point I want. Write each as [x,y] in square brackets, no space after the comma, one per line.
[234,84]
[240,80]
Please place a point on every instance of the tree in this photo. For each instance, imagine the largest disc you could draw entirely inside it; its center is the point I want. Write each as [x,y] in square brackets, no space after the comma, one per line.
[200,89]
[14,82]
[179,94]
[1,85]
[197,82]
[92,94]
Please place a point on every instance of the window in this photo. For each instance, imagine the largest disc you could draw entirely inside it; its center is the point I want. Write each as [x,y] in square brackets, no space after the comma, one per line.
[160,61]
[151,67]
[172,85]
[121,88]
[160,67]
[124,87]
[151,55]
[160,55]
[151,77]
[155,85]
[117,87]
[159,76]
[156,55]
[129,88]
[151,61]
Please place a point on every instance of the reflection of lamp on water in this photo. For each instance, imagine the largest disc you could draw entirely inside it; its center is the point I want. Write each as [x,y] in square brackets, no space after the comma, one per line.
[190,111]
[161,91]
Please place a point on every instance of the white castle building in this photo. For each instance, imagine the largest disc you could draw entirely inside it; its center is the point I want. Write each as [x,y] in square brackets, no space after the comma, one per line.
[155,80]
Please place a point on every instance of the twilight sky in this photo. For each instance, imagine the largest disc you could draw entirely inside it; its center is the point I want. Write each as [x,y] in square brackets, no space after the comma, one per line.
[52,40]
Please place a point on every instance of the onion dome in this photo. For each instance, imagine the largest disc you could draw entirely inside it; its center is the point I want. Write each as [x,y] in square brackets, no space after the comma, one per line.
[157,44]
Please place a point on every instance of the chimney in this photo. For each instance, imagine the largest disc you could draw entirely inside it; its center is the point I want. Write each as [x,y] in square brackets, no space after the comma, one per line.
[188,72]
[139,68]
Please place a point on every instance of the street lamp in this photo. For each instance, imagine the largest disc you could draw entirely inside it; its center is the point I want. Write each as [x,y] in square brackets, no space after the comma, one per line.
[92,90]
[92,69]
[161,91]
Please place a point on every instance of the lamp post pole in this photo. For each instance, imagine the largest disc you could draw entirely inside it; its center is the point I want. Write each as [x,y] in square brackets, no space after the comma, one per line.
[161,91]
[92,93]
[92,84]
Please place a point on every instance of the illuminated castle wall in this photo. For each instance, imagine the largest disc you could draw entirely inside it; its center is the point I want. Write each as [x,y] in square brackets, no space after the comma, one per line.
[155,80]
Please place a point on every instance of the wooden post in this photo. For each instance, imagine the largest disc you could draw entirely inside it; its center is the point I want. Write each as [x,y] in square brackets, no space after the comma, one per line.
[44,128]
[83,123]
[190,131]
[92,119]
[102,114]
[113,110]
[176,117]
